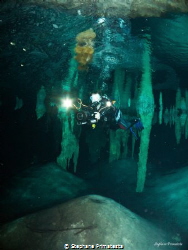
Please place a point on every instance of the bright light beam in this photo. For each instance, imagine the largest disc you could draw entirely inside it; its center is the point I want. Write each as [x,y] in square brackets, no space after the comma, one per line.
[108,103]
[67,103]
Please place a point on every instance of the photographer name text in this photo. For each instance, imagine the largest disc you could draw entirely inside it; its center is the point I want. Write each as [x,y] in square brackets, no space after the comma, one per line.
[96,246]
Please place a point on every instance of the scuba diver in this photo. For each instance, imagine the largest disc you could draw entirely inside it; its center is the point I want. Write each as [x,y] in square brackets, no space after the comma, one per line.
[102,110]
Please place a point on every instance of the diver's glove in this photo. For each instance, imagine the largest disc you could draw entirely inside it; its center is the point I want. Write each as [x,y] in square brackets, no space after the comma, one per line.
[97,115]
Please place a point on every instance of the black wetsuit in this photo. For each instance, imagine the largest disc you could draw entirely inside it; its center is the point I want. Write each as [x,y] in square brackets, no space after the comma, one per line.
[110,114]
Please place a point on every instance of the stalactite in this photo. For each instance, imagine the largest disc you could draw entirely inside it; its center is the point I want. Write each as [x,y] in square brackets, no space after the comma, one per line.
[95,146]
[178,99]
[119,81]
[19,103]
[114,153]
[181,115]
[126,91]
[135,94]
[177,120]
[172,116]
[40,105]
[178,130]
[124,142]
[118,141]
[160,108]
[133,146]
[121,93]
[166,116]
[122,88]
[146,111]
[186,99]
[186,129]
[69,144]
[186,124]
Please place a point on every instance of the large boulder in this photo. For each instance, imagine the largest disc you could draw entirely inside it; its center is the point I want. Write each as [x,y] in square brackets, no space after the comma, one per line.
[88,220]
[38,187]
[164,200]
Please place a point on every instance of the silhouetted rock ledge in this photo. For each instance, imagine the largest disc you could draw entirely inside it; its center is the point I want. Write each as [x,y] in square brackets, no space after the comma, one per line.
[110,8]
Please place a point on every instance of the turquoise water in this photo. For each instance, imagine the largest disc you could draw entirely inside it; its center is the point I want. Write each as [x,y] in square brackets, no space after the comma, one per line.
[48,158]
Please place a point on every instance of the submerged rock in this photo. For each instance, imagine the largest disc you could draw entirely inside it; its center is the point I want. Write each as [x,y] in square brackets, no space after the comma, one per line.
[111,8]
[89,220]
[37,188]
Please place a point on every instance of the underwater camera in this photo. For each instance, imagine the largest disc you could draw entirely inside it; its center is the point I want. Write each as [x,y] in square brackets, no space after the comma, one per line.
[85,117]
